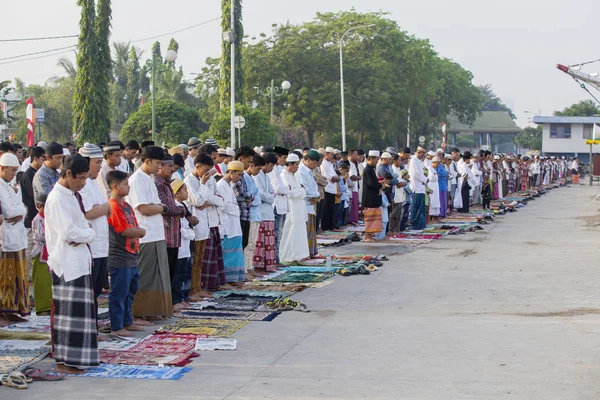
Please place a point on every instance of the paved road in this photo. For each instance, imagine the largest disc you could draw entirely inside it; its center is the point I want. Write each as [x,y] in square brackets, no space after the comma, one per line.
[511,312]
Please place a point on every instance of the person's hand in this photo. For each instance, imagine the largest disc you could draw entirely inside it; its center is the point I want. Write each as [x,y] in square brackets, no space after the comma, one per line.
[74,244]
[206,177]
[14,220]
[193,220]
[143,233]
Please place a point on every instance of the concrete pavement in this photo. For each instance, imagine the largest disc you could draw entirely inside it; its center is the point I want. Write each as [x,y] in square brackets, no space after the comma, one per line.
[509,312]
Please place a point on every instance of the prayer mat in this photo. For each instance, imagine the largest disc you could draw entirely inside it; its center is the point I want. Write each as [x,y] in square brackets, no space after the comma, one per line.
[135,358]
[215,344]
[210,327]
[289,276]
[423,235]
[251,293]
[276,286]
[8,345]
[114,342]
[236,304]
[166,343]
[231,315]
[18,360]
[33,324]
[116,371]
[103,300]
[6,334]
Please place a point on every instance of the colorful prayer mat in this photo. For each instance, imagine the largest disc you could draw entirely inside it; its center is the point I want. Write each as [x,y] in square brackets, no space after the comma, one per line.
[222,314]
[289,276]
[33,324]
[113,342]
[251,293]
[277,286]
[6,345]
[210,327]
[135,358]
[117,371]
[17,360]
[418,236]
[23,335]
[166,343]
[237,304]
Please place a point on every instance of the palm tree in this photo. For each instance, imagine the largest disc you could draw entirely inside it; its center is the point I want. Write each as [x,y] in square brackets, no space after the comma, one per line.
[121,52]
[68,66]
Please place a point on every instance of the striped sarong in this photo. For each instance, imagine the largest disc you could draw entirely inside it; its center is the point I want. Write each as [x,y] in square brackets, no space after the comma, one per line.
[14,285]
[265,252]
[311,231]
[213,270]
[153,298]
[418,212]
[196,284]
[74,328]
[233,259]
[373,222]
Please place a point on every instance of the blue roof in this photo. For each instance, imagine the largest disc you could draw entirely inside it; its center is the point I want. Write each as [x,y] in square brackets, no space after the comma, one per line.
[566,120]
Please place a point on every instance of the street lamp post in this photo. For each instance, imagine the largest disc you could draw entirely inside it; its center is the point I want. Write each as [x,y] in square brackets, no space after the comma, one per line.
[273,92]
[342,80]
[171,56]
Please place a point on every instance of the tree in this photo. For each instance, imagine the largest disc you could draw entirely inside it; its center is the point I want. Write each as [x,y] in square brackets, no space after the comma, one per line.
[493,102]
[225,81]
[133,82]
[585,108]
[175,123]
[66,64]
[121,53]
[257,131]
[102,89]
[4,90]
[530,138]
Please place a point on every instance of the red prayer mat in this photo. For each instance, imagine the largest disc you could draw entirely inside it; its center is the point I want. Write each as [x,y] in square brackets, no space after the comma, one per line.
[135,358]
[166,343]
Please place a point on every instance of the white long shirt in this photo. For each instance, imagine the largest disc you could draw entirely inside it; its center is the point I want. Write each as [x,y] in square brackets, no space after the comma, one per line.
[307,181]
[215,200]
[329,172]
[143,192]
[230,222]
[281,190]
[92,194]
[65,223]
[267,196]
[476,174]
[197,196]
[418,180]
[189,165]
[14,237]
[187,234]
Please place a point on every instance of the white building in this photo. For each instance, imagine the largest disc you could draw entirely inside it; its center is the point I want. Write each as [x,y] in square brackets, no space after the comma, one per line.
[566,136]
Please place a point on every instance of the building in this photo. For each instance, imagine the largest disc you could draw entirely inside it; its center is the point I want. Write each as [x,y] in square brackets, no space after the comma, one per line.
[566,136]
[492,130]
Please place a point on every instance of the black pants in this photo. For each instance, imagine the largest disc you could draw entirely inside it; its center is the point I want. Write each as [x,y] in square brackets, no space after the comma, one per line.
[486,203]
[328,212]
[245,232]
[466,199]
[172,255]
[405,215]
[320,206]
[99,274]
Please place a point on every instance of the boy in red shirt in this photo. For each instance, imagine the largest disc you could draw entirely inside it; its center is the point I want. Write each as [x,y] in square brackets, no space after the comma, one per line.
[124,244]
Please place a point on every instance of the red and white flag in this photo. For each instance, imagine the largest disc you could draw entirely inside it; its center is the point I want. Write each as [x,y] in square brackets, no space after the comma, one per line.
[29,116]
[444,136]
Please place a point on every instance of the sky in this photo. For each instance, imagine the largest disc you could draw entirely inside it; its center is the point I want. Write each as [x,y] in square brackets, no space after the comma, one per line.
[512,45]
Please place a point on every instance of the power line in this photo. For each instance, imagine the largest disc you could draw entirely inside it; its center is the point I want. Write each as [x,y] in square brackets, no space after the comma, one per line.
[177,31]
[39,38]
[35,58]
[38,52]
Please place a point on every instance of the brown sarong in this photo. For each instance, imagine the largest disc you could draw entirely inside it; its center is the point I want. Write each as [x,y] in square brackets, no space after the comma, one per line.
[373,223]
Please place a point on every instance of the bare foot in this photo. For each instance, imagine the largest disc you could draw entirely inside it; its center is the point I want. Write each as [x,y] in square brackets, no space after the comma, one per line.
[178,306]
[4,322]
[101,338]
[122,332]
[141,322]
[227,286]
[134,327]
[249,278]
[237,284]
[15,318]
[68,370]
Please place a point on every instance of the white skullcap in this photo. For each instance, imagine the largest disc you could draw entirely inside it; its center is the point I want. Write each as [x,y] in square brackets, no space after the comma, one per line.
[292,157]
[66,152]
[329,150]
[9,160]
[385,154]
[430,153]
[374,153]
[230,152]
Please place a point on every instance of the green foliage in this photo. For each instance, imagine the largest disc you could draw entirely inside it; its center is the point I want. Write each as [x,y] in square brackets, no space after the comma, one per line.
[133,83]
[175,123]
[257,131]
[225,79]
[585,108]
[4,90]
[493,102]
[530,138]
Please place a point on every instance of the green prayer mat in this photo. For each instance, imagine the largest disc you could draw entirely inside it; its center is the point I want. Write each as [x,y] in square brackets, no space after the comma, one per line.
[305,277]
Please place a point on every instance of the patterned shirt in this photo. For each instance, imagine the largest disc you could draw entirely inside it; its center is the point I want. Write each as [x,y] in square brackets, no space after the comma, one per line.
[44,180]
[240,189]
[174,212]
[39,238]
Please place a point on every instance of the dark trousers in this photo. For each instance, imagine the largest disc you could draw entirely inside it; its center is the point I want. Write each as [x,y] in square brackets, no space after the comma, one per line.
[99,274]
[405,214]
[486,203]
[123,287]
[465,199]
[337,208]
[176,275]
[328,212]
[395,217]
[184,265]
[318,221]
[245,232]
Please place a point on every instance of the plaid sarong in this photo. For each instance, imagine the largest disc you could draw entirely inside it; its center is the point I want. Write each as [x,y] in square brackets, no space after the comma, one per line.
[213,269]
[74,328]
[264,253]
[311,231]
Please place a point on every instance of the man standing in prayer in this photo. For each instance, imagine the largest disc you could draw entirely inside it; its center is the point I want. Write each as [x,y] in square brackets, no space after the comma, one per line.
[14,283]
[280,205]
[97,210]
[74,330]
[112,161]
[418,183]
[372,200]
[308,183]
[331,190]
[242,193]
[294,241]
[153,299]
[128,155]
[264,257]
[47,176]
[193,146]
[355,178]
[172,225]
[321,184]
[254,167]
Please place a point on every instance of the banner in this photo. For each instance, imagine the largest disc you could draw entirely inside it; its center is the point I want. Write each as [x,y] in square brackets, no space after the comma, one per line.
[444,136]
[29,116]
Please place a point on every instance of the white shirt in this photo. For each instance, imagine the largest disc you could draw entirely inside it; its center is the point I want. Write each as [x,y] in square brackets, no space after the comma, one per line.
[14,237]
[476,174]
[26,164]
[92,194]
[124,166]
[197,195]
[463,169]
[216,202]
[143,191]
[267,196]
[230,223]
[281,190]
[574,165]
[187,234]
[189,165]
[66,223]
[418,180]
[307,181]
[354,172]
[101,178]
[329,172]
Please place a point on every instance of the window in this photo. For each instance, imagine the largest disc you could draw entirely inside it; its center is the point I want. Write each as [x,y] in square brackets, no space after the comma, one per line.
[588,130]
[560,131]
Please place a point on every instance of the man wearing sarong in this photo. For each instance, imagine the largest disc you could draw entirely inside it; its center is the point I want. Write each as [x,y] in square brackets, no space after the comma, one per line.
[371,198]
[252,169]
[356,179]
[264,258]
[308,183]
[280,205]
[418,183]
[68,234]
[153,299]
[331,189]
[14,284]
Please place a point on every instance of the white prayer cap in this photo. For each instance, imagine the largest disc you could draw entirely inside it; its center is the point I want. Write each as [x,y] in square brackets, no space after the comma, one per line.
[496,157]
[563,157]
[9,160]
[90,150]
[298,150]
[292,157]
[222,152]
[42,144]
[435,159]
[448,156]
[184,147]
[337,151]
[329,150]
[66,152]
[230,152]
[439,151]
[385,154]
[430,153]
[256,149]
[374,153]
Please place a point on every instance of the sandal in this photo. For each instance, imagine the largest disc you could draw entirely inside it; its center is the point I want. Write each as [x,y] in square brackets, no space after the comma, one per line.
[14,380]
[343,272]
[363,271]
[35,374]
[372,268]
